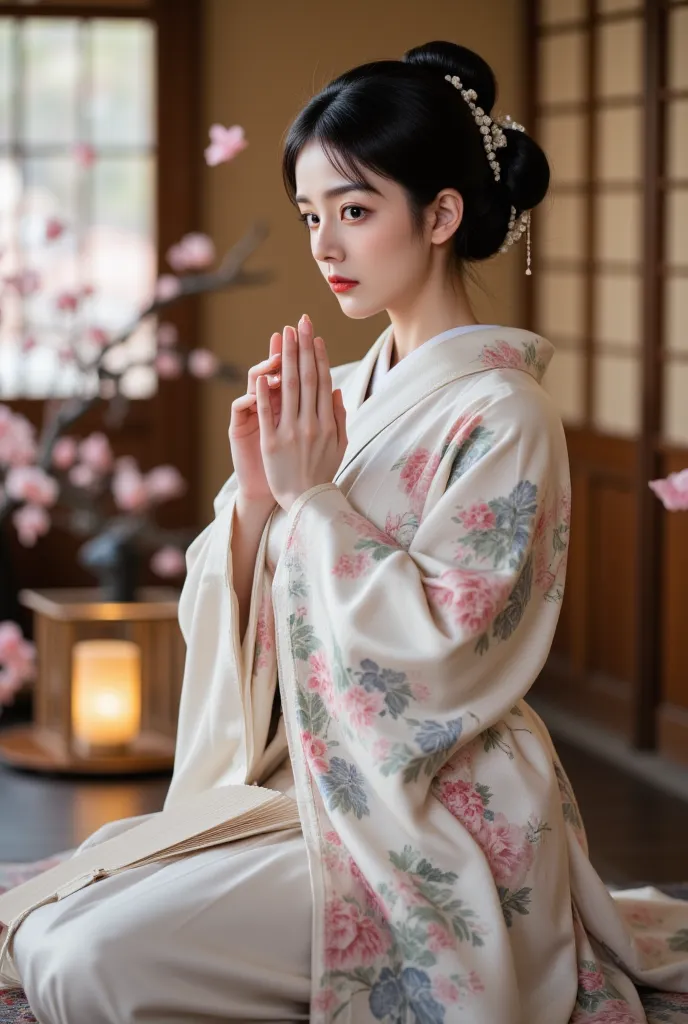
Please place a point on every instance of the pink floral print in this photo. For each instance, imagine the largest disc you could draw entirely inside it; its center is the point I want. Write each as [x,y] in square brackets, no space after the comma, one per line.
[361,706]
[501,354]
[351,567]
[351,937]
[315,750]
[470,599]
[464,802]
[439,938]
[264,634]
[320,677]
[477,517]
[508,851]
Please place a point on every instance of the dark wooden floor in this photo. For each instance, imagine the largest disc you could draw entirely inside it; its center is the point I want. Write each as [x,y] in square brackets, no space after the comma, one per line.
[636,832]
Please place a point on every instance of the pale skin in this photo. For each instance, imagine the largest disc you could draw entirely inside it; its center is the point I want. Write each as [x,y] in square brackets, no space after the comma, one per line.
[288,432]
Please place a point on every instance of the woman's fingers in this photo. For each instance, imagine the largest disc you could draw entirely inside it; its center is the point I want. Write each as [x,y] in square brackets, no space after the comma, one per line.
[324,380]
[270,366]
[308,374]
[266,421]
[290,377]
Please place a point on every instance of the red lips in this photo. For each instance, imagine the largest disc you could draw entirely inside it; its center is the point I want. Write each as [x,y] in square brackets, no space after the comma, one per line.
[336,279]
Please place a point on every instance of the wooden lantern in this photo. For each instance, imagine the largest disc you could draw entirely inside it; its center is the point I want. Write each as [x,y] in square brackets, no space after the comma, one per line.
[106,697]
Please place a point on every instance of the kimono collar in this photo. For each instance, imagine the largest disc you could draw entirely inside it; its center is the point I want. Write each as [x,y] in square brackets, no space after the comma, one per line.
[488,348]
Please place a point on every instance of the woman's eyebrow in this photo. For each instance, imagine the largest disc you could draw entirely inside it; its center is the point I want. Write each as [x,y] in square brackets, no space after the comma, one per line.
[340,190]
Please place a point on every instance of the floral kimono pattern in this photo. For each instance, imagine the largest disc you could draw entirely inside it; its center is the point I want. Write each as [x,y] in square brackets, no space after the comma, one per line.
[412,607]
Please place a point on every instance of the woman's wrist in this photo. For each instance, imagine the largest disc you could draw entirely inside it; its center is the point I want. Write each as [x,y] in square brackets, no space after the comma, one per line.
[250,506]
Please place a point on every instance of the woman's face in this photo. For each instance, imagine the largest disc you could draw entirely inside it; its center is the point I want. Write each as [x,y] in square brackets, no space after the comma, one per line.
[362,235]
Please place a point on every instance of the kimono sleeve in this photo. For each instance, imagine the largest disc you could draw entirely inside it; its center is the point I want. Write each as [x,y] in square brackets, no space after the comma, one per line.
[211,745]
[400,656]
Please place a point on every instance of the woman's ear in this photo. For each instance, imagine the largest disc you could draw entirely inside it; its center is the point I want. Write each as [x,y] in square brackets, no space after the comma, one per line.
[447,214]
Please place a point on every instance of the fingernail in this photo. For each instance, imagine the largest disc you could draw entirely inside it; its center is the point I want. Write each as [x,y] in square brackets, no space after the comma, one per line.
[305,319]
[273,378]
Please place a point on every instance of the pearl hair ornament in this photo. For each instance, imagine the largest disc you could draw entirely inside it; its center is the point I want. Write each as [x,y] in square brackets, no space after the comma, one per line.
[494,139]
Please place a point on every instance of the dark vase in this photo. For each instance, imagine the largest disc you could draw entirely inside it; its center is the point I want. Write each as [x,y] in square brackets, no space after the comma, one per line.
[116,562]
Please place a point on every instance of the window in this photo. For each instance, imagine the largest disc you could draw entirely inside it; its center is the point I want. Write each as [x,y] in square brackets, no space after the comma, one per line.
[77,146]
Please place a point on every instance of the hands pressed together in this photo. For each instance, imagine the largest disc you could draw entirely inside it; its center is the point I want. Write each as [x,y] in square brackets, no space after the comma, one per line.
[288,432]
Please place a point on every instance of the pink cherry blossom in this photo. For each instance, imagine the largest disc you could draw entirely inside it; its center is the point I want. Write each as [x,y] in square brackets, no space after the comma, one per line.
[362,706]
[10,683]
[54,228]
[32,484]
[202,363]
[164,483]
[82,475]
[28,344]
[31,522]
[167,287]
[67,302]
[17,439]
[84,154]
[168,562]
[96,452]
[225,144]
[27,282]
[351,938]
[168,364]
[673,491]
[167,336]
[464,802]
[196,251]
[10,640]
[87,291]
[129,490]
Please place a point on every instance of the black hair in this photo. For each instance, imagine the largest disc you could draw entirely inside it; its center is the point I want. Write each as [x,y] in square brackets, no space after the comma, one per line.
[404,121]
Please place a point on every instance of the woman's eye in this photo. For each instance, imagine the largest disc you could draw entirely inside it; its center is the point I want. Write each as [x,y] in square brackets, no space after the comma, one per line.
[303,217]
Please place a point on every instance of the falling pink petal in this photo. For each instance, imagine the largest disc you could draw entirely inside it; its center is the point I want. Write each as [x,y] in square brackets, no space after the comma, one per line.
[31,522]
[167,287]
[28,344]
[87,291]
[673,491]
[225,144]
[54,228]
[64,452]
[168,562]
[202,363]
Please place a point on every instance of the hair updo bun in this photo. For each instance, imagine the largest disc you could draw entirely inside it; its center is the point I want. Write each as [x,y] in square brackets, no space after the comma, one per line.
[404,121]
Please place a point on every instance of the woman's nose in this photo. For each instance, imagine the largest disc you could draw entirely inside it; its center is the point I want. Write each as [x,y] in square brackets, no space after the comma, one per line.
[325,245]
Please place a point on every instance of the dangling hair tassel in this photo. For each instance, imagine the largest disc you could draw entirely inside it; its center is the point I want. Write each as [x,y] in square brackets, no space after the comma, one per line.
[528,270]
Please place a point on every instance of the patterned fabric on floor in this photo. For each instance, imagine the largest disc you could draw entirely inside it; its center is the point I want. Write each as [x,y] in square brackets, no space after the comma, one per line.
[660,1007]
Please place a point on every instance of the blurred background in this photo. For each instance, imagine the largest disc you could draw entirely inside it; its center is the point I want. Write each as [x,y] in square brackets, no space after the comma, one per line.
[132,86]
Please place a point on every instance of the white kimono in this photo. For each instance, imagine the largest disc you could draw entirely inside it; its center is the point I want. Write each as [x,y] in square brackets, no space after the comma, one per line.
[406,608]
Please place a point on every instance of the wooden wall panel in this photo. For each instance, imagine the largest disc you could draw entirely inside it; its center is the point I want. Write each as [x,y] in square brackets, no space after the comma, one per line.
[672,713]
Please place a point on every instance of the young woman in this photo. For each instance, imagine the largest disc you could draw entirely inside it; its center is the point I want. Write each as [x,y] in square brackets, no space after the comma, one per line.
[364,617]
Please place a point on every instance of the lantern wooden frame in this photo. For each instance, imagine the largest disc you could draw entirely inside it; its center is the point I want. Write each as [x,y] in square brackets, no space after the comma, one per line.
[61,618]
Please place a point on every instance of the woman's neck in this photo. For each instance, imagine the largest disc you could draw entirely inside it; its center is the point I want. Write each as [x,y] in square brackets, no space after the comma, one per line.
[435,311]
